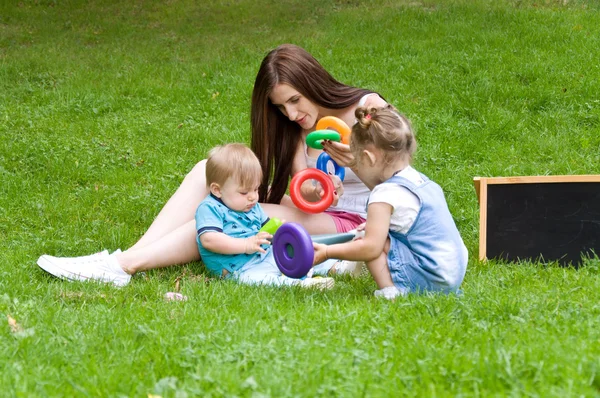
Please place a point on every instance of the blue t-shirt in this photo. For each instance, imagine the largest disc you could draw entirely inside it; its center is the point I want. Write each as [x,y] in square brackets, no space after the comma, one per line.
[213,215]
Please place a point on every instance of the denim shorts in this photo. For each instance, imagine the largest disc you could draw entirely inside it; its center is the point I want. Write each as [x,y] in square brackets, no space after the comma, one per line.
[408,275]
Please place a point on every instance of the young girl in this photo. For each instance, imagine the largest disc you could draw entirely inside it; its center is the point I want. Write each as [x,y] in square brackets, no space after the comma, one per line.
[229,220]
[292,91]
[411,242]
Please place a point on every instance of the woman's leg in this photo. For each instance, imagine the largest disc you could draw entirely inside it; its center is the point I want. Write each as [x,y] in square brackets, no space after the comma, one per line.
[176,247]
[315,224]
[170,240]
[179,209]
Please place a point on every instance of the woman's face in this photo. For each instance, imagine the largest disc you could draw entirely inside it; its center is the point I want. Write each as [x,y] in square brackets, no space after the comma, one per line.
[295,106]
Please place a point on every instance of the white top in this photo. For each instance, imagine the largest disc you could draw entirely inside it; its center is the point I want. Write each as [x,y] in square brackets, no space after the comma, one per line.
[406,204]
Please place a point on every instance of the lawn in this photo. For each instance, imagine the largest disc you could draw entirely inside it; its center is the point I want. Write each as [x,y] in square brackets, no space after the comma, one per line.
[106,105]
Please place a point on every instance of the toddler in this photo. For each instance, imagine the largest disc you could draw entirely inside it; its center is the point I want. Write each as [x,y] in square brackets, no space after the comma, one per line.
[228,222]
[411,242]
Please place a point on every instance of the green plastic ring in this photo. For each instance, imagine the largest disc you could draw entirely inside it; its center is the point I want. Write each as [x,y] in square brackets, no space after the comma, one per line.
[271,226]
[314,139]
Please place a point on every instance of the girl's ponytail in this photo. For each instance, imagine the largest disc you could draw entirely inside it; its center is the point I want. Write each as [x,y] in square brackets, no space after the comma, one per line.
[385,129]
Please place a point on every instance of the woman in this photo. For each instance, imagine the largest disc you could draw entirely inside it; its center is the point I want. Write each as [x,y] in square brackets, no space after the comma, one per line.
[291,93]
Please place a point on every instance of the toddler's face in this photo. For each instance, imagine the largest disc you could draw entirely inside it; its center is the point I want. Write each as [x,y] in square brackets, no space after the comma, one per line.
[239,198]
[369,169]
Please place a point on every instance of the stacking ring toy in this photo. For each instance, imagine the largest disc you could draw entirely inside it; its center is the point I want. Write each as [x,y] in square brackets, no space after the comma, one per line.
[271,226]
[337,124]
[315,138]
[305,205]
[293,250]
[322,161]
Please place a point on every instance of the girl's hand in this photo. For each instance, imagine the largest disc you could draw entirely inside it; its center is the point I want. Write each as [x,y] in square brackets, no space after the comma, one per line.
[339,152]
[254,243]
[320,253]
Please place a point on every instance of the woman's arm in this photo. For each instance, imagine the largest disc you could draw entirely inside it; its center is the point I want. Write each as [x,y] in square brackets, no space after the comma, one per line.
[366,249]
[218,242]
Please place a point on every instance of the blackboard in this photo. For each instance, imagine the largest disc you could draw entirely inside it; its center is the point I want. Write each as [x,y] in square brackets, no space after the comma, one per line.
[546,218]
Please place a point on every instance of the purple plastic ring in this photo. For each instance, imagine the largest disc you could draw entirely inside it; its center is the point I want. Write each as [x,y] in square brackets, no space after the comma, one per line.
[293,250]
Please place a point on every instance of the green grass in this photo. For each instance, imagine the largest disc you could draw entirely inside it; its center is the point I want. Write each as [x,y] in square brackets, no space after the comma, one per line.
[106,105]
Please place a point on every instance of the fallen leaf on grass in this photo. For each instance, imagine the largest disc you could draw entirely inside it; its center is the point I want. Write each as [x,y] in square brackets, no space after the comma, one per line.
[14,326]
[17,330]
[173,296]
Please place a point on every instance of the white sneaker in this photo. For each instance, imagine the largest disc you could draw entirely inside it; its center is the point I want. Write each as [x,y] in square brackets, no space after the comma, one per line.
[353,268]
[101,267]
[318,283]
[389,293]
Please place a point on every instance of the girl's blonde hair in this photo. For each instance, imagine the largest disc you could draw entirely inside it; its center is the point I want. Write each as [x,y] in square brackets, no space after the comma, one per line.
[235,161]
[385,129]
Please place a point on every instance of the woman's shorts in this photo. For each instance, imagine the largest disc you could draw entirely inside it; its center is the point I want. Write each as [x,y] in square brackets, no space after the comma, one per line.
[344,221]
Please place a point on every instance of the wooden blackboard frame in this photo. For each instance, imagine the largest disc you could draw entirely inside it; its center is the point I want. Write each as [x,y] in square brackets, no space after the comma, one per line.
[481,188]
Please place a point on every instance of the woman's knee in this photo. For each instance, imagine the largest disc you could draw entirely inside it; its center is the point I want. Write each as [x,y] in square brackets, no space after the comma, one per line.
[198,172]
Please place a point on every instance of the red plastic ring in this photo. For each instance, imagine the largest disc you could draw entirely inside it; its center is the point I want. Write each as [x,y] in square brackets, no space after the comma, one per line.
[305,205]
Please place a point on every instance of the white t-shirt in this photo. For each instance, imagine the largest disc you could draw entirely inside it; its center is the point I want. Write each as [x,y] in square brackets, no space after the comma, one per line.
[406,204]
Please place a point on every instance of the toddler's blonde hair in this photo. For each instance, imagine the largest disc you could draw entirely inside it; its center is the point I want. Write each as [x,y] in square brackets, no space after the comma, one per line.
[235,161]
[385,129]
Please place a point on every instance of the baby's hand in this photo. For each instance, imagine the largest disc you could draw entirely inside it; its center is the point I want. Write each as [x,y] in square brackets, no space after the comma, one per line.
[254,243]
[320,253]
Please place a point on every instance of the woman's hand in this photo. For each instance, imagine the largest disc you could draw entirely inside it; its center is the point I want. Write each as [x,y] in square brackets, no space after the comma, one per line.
[339,152]
[254,243]
[338,188]
[313,191]
[320,253]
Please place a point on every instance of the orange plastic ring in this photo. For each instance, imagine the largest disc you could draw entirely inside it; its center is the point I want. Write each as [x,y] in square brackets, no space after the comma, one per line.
[337,124]
[305,205]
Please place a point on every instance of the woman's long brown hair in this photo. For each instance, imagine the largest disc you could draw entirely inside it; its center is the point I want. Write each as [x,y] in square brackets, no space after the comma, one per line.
[275,138]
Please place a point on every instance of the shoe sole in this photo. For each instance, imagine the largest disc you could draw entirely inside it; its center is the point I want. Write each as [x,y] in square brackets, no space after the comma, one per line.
[48,265]
[320,286]
[45,263]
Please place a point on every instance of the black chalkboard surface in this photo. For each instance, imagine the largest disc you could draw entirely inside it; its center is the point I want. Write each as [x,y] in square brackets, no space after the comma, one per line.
[547,218]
